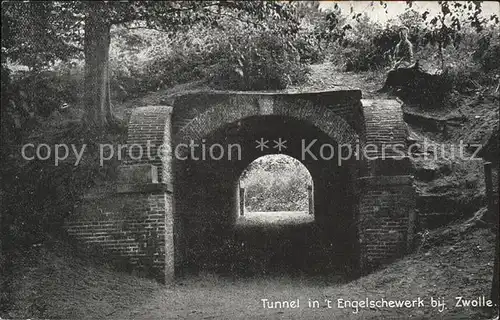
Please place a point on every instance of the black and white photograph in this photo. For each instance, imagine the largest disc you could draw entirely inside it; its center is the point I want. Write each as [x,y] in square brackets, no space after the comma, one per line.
[233,160]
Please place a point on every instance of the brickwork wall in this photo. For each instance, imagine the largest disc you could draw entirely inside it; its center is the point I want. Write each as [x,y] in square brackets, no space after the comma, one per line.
[387,197]
[386,130]
[189,107]
[335,119]
[385,204]
[130,227]
[135,223]
[153,124]
[384,124]
[386,219]
[211,186]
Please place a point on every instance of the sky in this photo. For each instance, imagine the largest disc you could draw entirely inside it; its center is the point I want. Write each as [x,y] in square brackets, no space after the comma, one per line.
[394,8]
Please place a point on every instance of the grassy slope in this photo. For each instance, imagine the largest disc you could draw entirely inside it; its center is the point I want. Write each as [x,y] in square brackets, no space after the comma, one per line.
[51,282]
[460,266]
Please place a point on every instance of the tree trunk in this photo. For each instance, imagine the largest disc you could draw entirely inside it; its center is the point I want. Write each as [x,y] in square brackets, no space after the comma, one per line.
[96,48]
[441,55]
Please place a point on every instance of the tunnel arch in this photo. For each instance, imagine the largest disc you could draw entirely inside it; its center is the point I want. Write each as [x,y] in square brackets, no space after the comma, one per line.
[220,114]
[213,206]
[148,218]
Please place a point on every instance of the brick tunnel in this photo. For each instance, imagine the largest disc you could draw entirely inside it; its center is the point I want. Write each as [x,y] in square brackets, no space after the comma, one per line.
[207,191]
[175,209]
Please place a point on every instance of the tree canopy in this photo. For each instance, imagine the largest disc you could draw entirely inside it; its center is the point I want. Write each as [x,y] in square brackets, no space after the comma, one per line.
[37,34]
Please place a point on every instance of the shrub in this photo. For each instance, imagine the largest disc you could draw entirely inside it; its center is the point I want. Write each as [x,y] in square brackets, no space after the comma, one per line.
[371,46]
[368,47]
[474,61]
[180,64]
[487,53]
[129,76]
[233,56]
[308,46]
[257,61]
[44,91]
[38,194]
[276,183]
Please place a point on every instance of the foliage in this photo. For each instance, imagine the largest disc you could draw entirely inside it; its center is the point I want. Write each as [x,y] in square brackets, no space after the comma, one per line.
[320,29]
[41,33]
[487,50]
[443,36]
[38,194]
[369,46]
[446,27]
[31,35]
[276,183]
[257,61]
[234,55]
[85,26]
[334,27]
[45,91]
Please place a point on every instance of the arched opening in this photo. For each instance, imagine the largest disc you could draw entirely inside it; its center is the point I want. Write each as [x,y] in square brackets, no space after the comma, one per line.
[207,202]
[275,189]
[199,197]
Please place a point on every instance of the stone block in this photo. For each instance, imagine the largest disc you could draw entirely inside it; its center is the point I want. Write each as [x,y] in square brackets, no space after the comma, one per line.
[137,174]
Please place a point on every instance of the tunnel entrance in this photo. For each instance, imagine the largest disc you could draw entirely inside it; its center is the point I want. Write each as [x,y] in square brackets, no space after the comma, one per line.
[215,240]
[176,209]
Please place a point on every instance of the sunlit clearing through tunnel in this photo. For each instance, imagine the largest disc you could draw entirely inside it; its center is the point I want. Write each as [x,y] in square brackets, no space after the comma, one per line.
[275,189]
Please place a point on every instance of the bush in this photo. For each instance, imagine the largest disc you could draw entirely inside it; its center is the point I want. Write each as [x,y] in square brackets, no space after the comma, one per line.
[309,49]
[474,61]
[128,59]
[364,58]
[234,56]
[371,46]
[37,194]
[185,60]
[257,61]
[487,53]
[44,91]
[276,183]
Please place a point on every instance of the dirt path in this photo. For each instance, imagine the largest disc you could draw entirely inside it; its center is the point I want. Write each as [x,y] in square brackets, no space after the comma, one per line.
[462,267]
[456,262]
[327,76]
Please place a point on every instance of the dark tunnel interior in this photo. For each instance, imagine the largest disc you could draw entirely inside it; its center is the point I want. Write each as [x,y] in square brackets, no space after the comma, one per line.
[207,237]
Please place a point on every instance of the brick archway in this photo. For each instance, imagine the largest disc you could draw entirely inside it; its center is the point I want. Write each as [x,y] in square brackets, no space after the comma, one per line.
[211,208]
[219,115]
[142,224]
